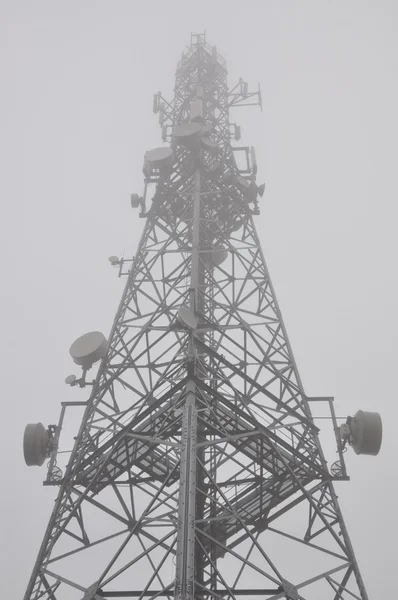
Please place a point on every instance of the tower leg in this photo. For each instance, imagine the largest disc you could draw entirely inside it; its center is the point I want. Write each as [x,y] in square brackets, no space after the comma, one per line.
[185,559]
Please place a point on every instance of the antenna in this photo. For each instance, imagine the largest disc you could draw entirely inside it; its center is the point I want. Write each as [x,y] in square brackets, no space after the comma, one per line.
[114,260]
[364,432]
[36,444]
[89,349]
[186,319]
[71,380]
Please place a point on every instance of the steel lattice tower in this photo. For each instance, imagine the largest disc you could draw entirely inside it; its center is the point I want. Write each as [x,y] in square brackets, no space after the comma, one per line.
[197,471]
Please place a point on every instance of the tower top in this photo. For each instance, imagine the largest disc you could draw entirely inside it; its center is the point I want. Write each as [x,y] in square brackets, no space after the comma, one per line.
[196,124]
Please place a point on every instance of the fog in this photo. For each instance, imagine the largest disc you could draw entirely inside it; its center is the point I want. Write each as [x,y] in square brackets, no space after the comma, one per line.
[76,119]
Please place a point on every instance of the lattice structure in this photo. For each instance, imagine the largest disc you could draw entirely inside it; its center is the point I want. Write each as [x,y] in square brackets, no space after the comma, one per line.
[197,471]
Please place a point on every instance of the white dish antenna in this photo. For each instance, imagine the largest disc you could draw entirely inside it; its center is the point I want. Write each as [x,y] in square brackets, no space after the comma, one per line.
[160,158]
[215,258]
[89,348]
[187,134]
[186,318]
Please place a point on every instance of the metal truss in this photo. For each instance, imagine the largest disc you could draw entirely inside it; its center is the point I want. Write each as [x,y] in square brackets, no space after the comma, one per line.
[197,471]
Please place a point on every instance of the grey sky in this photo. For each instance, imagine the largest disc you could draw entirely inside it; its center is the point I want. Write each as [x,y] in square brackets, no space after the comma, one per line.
[76,116]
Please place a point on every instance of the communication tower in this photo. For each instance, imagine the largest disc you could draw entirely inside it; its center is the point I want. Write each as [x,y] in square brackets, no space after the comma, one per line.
[197,471]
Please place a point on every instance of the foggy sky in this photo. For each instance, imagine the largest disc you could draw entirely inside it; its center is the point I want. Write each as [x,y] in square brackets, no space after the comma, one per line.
[77,80]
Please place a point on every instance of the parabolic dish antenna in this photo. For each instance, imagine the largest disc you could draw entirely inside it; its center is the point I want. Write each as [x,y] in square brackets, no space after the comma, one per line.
[187,134]
[186,318]
[367,432]
[36,441]
[215,257]
[135,200]
[160,158]
[89,348]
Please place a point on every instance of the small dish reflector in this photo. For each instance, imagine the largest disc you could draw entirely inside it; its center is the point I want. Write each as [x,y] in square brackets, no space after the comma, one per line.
[70,380]
[160,158]
[187,134]
[114,260]
[135,200]
[36,441]
[367,432]
[89,348]
[186,318]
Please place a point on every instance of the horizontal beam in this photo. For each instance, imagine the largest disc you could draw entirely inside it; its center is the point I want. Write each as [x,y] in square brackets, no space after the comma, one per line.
[168,592]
